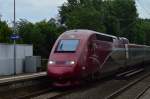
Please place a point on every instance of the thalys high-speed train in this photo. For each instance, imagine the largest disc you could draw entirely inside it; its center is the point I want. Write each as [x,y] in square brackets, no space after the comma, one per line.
[78,54]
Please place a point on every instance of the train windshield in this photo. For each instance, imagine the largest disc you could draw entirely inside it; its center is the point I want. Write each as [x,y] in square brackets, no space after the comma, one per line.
[67,46]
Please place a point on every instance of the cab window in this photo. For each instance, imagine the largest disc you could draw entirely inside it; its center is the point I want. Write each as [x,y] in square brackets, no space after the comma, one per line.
[67,45]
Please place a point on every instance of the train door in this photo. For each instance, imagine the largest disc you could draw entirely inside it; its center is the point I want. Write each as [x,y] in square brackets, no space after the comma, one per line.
[92,55]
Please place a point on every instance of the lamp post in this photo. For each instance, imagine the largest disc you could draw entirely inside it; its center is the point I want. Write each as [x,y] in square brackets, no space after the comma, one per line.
[14,33]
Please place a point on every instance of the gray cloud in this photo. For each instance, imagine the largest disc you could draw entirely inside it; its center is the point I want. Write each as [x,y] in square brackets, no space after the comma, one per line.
[36,10]
[32,10]
[143,7]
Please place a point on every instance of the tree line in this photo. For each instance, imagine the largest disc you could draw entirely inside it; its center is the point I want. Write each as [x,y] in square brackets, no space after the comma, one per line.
[115,17]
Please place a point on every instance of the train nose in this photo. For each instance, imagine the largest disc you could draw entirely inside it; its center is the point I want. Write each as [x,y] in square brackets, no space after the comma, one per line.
[58,73]
[60,70]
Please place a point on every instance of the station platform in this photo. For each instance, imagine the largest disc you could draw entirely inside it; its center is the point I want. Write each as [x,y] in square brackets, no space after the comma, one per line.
[21,77]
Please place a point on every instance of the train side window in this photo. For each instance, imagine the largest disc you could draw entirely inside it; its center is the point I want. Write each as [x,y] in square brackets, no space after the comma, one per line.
[104,38]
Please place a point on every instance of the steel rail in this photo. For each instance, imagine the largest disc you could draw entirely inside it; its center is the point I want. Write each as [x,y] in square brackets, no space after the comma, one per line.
[124,88]
[141,93]
[34,94]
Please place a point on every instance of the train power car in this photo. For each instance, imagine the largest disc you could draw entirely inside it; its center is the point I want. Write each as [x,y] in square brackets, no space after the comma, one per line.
[78,54]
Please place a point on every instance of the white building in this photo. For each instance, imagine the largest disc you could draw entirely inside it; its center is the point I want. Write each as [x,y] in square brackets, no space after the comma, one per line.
[7,58]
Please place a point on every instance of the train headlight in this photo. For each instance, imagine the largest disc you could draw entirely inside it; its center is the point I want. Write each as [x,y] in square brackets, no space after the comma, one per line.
[71,62]
[51,62]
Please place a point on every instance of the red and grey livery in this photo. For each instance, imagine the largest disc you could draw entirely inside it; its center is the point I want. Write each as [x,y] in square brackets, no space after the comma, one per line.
[78,54]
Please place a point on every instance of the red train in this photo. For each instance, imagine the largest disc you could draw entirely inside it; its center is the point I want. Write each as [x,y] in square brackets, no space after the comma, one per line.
[78,54]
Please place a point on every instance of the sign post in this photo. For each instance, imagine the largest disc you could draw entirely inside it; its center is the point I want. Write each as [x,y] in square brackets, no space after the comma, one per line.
[13,36]
[14,57]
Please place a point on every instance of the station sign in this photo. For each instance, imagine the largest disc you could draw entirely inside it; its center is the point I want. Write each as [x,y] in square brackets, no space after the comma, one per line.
[15,37]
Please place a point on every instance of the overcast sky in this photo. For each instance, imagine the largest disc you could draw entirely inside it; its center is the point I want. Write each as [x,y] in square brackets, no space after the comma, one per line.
[37,10]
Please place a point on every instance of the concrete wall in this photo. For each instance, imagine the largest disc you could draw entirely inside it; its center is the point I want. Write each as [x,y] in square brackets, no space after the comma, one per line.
[7,58]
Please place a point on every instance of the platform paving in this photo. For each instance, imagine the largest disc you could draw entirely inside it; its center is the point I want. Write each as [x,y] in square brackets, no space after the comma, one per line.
[7,79]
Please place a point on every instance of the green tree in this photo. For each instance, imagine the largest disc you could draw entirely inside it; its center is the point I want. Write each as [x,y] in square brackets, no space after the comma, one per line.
[126,15]
[120,18]
[116,17]
[49,34]
[5,32]
[41,34]
[25,30]
[85,14]
[143,31]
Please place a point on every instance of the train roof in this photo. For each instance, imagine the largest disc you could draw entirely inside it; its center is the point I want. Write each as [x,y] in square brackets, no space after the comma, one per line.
[89,32]
[138,45]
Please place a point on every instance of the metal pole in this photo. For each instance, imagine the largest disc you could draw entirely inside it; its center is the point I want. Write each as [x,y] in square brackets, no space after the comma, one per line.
[14,32]
[0,17]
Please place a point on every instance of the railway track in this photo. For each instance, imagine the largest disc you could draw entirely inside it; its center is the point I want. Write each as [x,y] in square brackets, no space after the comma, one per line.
[50,93]
[110,88]
[11,87]
[34,94]
[118,94]
[106,88]
[53,94]
[142,92]
[28,86]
